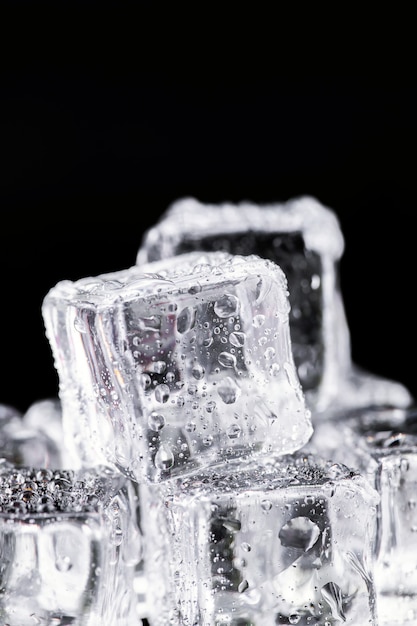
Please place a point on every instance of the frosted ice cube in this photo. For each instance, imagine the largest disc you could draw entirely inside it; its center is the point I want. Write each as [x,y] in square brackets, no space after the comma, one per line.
[381,443]
[26,441]
[304,238]
[69,546]
[288,541]
[182,364]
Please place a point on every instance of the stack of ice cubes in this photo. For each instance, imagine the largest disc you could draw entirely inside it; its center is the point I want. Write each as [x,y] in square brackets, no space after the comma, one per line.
[215,458]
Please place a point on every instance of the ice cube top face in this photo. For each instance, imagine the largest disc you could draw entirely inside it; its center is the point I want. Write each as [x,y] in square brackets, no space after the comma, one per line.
[282,543]
[302,236]
[181,366]
[68,546]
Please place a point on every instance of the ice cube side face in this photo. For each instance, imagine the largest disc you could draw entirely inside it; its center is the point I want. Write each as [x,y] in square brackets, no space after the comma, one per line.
[304,238]
[285,544]
[69,545]
[382,445]
[183,366]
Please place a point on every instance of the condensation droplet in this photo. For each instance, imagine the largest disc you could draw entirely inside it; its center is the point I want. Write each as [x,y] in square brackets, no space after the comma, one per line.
[274,369]
[164,458]
[146,381]
[162,393]
[269,354]
[237,339]
[234,431]
[198,371]
[243,586]
[226,359]
[246,547]
[266,505]
[63,563]
[186,320]
[156,421]
[210,406]
[258,321]
[227,306]
[228,390]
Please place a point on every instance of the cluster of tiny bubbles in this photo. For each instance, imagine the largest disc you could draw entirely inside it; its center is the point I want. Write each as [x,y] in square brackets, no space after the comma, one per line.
[33,491]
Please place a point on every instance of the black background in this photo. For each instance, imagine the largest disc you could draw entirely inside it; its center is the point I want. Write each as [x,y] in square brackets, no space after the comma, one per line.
[109,115]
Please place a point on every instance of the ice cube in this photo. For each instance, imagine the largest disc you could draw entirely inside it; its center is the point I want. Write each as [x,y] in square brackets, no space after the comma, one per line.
[381,443]
[181,365]
[69,546]
[283,541]
[304,238]
[25,440]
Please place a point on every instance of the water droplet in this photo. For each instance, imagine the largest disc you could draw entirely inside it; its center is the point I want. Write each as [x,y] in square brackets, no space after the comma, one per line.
[158,367]
[186,320]
[210,406]
[190,427]
[228,390]
[196,288]
[164,458]
[227,306]
[246,547]
[258,321]
[269,354]
[162,393]
[266,505]
[156,421]
[198,371]
[234,431]
[294,618]
[63,563]
[243,586]
[237,339]
[226,359]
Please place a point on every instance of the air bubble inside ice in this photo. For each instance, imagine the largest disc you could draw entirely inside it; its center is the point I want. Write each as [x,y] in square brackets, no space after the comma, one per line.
[299,532]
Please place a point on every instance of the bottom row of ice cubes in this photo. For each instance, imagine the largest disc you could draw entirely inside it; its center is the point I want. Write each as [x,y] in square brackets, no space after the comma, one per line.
[290,540]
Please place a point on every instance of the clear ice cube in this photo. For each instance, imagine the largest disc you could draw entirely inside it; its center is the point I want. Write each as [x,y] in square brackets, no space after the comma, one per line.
[283,541]
[304,238]
[381,443]
[69,546]
[177,365]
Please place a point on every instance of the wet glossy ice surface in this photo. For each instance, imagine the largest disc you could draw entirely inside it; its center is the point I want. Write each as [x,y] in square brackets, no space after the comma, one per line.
[382,445]
[69,546]
[287,541]
[304,238]
[180,364]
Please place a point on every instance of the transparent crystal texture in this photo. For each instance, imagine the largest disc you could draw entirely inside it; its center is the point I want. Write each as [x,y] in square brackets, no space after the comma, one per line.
[382,445]
[69,546]
[304,238]
[283,541]
[177,365]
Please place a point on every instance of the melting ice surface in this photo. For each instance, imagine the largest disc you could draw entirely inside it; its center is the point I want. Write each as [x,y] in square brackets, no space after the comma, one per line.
[69,547]
[284,541]
[179,364]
